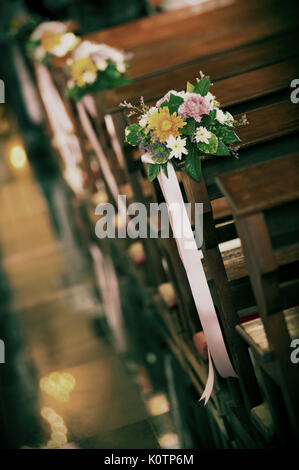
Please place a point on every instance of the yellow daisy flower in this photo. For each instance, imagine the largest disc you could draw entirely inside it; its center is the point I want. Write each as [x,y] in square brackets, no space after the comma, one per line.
[84,71]
[50,40]
[165,124]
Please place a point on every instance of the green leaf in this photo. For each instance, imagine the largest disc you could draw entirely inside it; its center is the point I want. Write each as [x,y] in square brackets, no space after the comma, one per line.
[164,168]
[189,129]
[193,163]
[153,171]
[228,135]
[205,121]
[131,134]
[211,147]
[30,44]
[222,150]
[212,114]
[165,103]
[189,87]
[202,87]
[109,78]
[174,103]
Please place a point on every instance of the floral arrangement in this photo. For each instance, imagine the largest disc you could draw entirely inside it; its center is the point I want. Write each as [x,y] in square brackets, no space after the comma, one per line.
[183,126]
[49,39]
[95,67]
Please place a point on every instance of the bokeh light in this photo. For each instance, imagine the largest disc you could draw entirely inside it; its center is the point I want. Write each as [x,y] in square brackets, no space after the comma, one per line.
[17,156]
[58,385]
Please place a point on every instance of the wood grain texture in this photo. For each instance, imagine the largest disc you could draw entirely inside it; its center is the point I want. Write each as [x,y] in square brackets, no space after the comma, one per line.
[220,66]
[184,49]
[269,122]
[262,186]
[198,18]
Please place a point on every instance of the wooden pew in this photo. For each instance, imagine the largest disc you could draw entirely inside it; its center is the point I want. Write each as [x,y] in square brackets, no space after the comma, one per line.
[256,57]
[195,20]
[260,130]
[250,57]
[272,51]
[253,194]
[277,47]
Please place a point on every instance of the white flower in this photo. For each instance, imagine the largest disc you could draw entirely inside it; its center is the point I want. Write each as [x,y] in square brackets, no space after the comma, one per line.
[84,49]
[121,67]
[224,118]
[146,158]
[229,119]
[100,51]
[220,116]
[211,101]
[144,118]
[209,97]
[177,146]
[202,135]
[89,77]
[101,64]
[68,42]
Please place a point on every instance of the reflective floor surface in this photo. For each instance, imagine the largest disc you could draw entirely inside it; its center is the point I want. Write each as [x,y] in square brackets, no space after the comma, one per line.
[66,386]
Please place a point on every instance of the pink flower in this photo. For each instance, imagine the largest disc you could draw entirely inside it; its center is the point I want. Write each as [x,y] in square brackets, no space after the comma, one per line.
[167,96]
[194,106]
[55,27]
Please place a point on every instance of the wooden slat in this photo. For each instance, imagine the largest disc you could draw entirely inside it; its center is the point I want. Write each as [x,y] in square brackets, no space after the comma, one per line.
[262,186]
[254,333]
[152,60]
[225,65]
[199,19]
[269,122]
[235,264]
[206,38]
[257,83]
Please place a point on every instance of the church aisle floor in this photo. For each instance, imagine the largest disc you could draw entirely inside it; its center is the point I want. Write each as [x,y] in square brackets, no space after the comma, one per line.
[87,399]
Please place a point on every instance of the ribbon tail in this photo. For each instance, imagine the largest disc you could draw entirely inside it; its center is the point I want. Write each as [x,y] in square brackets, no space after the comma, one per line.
[210,382]
[196,276]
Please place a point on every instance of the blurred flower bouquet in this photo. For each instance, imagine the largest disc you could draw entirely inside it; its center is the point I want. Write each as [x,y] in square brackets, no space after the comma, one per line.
[50,39]
[183,126]
[95,67]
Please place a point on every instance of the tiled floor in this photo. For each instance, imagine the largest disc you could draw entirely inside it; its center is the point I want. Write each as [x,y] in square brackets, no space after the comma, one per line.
[96,404]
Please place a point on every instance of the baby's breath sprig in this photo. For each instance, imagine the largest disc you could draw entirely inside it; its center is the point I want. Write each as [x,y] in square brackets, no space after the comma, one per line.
[135,110]
[243,121]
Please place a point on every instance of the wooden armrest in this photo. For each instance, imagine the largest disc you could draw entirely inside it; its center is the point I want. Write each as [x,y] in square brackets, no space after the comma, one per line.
[220,208]
[262,418]
[262,186]
[253,332]
[235,264]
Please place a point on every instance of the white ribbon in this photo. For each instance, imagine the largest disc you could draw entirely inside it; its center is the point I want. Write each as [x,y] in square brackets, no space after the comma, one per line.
[190,256]
[108,285]
[108,175]
[59,119]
